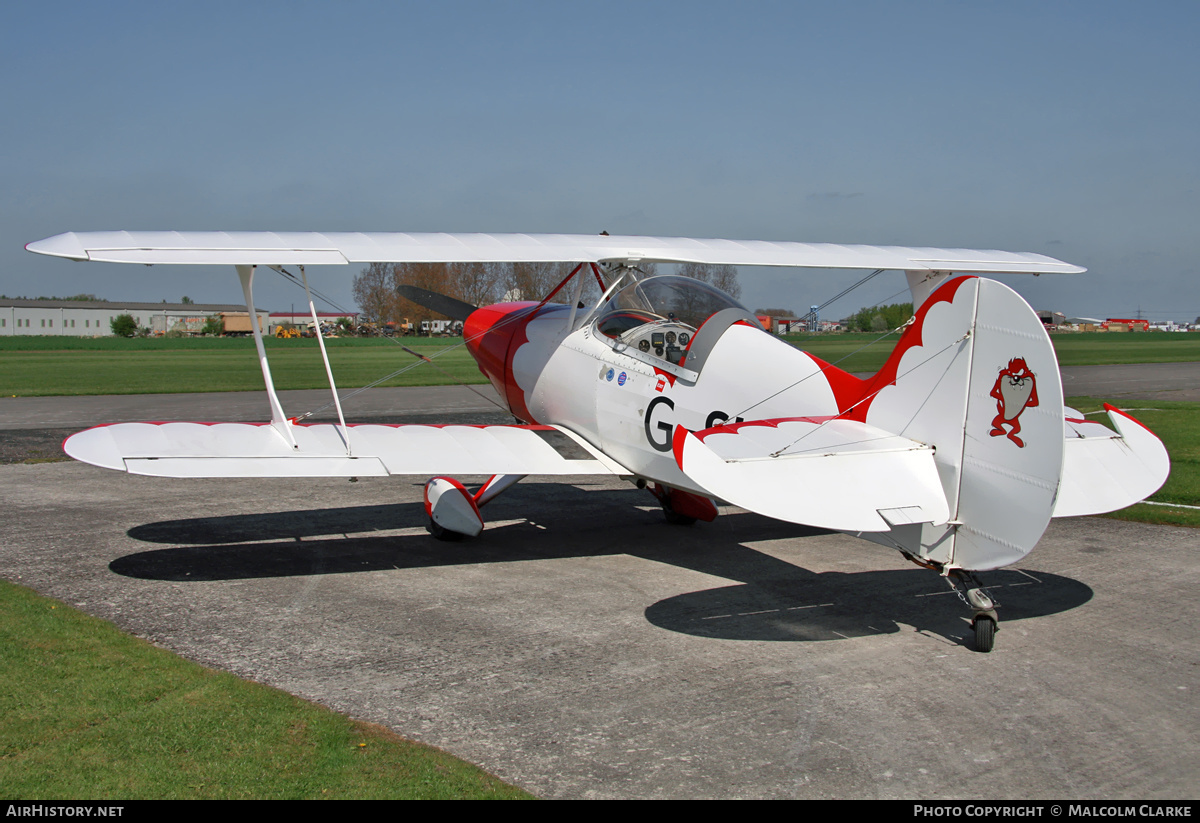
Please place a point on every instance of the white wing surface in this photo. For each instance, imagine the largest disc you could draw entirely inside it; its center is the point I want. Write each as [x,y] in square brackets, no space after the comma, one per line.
[344,248]
[835,474]
[259,450]
[1106,470]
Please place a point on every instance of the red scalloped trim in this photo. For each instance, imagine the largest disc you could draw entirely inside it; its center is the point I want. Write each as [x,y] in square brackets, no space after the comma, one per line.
[910,339]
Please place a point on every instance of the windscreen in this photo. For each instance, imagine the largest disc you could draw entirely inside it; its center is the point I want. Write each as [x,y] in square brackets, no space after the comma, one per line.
[668,297]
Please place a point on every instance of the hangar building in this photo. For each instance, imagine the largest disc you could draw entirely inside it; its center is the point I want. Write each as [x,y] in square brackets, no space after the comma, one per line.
[91,318]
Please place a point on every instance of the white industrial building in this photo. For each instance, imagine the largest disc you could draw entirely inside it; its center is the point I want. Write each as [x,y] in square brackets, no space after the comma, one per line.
[92,318]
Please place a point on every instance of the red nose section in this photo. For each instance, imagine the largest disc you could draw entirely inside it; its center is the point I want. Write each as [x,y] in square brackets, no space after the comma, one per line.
[493,334]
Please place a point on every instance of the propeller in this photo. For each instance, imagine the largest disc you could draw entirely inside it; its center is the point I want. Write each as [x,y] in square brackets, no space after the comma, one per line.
[440,303]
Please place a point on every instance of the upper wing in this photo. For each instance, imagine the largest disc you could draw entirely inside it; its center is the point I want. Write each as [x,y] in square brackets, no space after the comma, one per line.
[835,474]
[258,450]
[342,248]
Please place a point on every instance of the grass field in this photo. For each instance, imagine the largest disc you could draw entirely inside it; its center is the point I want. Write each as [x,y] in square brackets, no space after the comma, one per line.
[36,366]
[92,713]
[1083,349]
[163,366]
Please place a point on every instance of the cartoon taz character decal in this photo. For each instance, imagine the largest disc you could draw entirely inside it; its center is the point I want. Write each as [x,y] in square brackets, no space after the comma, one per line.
[1015,391]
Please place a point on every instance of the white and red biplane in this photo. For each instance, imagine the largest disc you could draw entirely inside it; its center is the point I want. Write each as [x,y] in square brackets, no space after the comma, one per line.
[957,453]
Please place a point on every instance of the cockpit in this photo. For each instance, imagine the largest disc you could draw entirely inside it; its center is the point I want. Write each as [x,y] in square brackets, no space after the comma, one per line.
[659,316]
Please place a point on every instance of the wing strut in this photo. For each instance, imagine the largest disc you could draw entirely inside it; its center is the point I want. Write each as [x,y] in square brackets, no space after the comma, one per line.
[324,356]
[278,421]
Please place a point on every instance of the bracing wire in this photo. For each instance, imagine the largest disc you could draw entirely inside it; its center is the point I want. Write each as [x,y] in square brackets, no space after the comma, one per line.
[821,370]
[870,395]
[824,368]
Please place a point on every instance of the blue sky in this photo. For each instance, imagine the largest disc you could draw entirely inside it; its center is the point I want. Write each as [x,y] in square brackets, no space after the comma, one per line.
[1066,128]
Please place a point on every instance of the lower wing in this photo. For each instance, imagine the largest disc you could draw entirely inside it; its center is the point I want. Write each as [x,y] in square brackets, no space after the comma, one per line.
[325,450]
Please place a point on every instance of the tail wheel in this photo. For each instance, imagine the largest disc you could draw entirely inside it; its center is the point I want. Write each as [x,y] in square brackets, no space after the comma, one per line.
[985,634]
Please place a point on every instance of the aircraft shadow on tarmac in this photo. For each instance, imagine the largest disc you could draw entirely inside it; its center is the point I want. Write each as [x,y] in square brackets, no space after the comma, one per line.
[775,600]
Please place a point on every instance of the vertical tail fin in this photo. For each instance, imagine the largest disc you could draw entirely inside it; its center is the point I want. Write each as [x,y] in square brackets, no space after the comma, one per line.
[975,376]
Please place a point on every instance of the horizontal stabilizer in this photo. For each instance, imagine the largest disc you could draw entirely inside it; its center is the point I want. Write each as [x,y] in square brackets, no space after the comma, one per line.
[834,474]
[1106,470]
[259,450]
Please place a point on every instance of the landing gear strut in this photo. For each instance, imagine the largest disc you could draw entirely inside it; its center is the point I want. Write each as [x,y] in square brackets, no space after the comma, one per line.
[984,621]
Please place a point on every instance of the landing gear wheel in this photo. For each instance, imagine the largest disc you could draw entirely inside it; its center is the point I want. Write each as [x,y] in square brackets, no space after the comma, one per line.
[985,634]
[682,508]
[677,519]
[441,533]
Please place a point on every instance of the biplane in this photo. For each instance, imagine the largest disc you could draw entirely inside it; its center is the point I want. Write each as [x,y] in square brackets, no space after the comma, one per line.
[957,453]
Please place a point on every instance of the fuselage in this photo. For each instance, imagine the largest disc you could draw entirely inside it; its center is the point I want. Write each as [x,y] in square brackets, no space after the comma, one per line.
[626,399]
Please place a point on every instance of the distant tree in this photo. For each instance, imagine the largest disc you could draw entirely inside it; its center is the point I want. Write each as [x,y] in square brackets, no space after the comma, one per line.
[435,277]
[724,278]
[533,281]
[477,283]
[881,318]
[185,300]
[123,325]
[80,297]
[375,293]
[375,288]
[214,325]
[344,325]
[775,312]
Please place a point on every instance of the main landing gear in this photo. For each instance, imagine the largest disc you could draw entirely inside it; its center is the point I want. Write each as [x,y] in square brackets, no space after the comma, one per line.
[454,512]
[683,508]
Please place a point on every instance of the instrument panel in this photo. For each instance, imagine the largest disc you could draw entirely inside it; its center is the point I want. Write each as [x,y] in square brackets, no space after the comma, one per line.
[664,338]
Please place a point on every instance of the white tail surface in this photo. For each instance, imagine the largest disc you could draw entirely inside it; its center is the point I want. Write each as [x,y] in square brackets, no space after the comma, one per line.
[836,474]
[1106,470]
[976,377]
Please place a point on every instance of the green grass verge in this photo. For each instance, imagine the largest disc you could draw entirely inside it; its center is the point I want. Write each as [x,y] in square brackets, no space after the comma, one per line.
[1104,348]
[1178,425]
[35,366]
[162,366]
[92,713]
[1074,349]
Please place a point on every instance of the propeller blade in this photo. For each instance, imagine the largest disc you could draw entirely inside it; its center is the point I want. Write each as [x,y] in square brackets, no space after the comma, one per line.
[451,307]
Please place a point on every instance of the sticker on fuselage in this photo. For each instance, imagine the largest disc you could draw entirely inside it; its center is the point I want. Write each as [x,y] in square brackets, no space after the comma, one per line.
[609,375]
[621,380]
